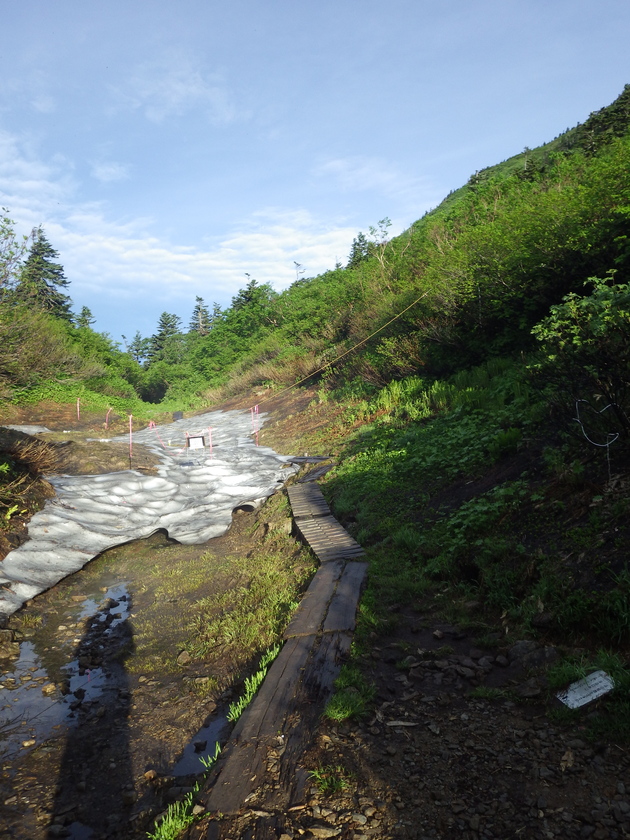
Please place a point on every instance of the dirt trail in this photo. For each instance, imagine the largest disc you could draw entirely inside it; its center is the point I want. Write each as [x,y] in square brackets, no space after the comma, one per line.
[462,742]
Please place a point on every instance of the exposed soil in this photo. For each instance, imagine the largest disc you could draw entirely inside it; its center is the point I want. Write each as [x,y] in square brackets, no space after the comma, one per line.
[434,760]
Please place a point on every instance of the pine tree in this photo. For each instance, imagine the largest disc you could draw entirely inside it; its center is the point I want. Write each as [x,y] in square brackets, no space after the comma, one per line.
[168,327]
[360,250]
[139,347]
[200,320]
[217,315]
[41,280]
[85,317]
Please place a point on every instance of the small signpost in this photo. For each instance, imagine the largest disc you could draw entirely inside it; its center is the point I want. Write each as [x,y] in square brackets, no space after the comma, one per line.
[196,442]
[585,690]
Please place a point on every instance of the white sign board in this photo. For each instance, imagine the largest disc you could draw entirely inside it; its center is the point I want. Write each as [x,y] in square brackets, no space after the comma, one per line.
[584,691]
[196,442]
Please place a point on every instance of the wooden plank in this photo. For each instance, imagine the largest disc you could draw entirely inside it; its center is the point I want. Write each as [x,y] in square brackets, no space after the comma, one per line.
[323,667]
[258,728]
[313,607]
[316,473]
[343,607]
[328,539]
[307,500]
[315,690]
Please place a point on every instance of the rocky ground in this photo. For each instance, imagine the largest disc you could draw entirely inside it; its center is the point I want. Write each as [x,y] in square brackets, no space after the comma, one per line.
[463,739]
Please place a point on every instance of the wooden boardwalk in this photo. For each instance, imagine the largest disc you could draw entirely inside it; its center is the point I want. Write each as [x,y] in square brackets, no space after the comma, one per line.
[260,766]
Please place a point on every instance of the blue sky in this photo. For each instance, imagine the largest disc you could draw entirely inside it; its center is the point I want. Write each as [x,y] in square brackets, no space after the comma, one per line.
[170,148]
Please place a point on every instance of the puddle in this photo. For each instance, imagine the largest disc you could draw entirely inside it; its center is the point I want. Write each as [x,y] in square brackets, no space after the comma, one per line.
[203,745]
[34,702]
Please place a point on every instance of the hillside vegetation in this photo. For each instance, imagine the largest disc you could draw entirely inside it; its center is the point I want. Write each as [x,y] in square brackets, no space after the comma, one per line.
[478,365]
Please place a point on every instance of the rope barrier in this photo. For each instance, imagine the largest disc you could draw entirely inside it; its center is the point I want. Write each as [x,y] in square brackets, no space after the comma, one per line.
[342,355]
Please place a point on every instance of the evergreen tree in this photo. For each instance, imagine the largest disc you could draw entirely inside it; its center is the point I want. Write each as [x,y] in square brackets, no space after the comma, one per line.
[360,250]
[200,320]
[217,315]
[139,347]
[85,317]
[168,327]
[41,280]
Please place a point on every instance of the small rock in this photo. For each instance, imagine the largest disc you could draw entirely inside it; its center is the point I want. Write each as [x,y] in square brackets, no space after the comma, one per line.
[323,831]
[184,658]
[520,649]
[529,689]
[48,688]
[150,775]
[473,822]
[129,797]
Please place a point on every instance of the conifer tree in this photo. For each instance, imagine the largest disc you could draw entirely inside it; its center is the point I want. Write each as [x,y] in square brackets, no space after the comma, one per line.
[85,317]
[360,250]
[168,327]
[41,280]
[200,320]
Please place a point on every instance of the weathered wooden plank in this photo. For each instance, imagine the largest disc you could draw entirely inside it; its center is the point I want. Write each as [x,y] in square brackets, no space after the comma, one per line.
[257,729]
[315,690]
[313,607]
[316,473]
[307,500]
[267,707]
[342,611]
[328,539]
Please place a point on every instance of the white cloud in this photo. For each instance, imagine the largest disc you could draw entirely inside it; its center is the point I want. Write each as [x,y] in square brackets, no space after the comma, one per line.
[358,173]
[109,171]
[124,267]
[174,85]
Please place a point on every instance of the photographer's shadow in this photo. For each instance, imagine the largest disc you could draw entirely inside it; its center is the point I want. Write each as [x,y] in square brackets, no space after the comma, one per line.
[95,792]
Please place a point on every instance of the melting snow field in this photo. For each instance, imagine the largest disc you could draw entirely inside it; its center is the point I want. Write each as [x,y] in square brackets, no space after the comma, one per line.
[192,497]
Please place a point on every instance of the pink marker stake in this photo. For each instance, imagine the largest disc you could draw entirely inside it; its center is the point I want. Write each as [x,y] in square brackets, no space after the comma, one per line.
[210,440]
[109,411]
[130,435]
[78,408]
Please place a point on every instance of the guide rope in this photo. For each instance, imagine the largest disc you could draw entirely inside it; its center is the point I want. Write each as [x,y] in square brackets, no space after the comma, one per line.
[345,353]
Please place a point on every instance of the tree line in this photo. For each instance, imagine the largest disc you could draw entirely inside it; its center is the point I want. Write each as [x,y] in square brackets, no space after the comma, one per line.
[481,270]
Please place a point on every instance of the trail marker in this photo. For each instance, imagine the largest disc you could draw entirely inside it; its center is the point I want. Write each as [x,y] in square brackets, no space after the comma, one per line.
[196,442]
[586,690]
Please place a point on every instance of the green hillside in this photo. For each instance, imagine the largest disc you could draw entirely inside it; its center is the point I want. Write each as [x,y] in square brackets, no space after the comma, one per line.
[479,363]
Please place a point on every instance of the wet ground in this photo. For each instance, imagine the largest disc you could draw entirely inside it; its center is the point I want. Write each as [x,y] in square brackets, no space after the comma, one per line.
[104,717]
